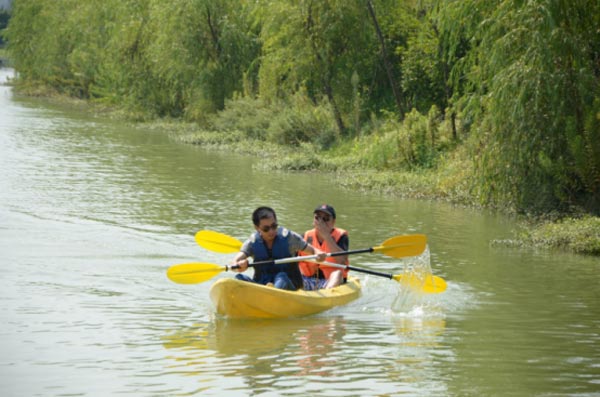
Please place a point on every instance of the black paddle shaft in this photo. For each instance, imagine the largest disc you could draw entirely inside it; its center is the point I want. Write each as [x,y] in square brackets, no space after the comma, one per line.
[357,269]
[361,251]
[374,273]
[287,260]
[290,260]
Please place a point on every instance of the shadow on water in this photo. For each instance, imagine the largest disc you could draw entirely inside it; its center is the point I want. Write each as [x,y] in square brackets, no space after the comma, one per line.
[268,356]
[363,348]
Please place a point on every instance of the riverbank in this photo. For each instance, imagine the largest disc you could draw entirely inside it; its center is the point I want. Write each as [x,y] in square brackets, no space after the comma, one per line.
[345,162]
[578,233]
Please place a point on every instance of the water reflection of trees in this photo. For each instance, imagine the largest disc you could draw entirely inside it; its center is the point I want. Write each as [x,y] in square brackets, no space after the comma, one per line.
[274,355]
[389,352]
[268,354]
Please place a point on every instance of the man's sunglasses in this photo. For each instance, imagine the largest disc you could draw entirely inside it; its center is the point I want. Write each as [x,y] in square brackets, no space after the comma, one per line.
[266,229]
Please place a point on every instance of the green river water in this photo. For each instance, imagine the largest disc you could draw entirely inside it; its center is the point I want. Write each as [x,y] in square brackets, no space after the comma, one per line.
[93,212]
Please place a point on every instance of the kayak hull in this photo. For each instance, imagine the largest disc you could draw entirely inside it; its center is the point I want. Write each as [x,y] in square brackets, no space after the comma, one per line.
[242,299]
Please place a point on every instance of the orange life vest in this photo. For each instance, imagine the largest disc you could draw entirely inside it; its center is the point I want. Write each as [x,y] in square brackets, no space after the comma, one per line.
[310,268]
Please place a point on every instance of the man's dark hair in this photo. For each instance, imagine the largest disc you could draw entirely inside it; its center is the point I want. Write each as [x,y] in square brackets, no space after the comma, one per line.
[262,213]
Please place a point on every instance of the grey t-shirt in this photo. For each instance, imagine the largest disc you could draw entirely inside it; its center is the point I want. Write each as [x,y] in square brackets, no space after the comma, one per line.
[295,242]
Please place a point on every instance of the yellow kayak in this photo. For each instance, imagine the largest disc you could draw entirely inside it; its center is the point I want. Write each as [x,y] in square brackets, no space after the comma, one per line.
[242,299]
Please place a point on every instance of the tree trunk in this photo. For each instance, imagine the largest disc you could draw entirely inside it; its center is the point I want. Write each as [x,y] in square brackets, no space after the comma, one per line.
[326,79]
[453,121]
[336,111]
[386,61]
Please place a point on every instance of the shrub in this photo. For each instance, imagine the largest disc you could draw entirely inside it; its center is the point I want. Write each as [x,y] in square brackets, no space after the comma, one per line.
[287,123]
[302,121]
[581,235]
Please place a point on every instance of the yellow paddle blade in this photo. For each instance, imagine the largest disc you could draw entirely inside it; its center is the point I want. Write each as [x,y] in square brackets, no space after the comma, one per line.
[218,242]
[401,246]
[193,273]
[430,285]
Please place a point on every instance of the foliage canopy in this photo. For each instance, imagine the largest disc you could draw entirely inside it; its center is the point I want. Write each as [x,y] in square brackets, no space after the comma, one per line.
[513,84]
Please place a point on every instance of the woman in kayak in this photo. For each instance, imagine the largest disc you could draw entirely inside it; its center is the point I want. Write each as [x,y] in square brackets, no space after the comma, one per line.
[325,237]
[270,242]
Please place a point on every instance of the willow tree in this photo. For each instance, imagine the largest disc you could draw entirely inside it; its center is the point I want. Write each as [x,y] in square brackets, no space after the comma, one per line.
[316,46]
[536,75]
[58,43]
[385,57]
[182,57]
[124,74]
[199,52]
[26,28]
[543,69]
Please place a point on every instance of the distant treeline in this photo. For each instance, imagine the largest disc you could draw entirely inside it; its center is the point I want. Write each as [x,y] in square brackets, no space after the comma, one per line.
[4,17]
[512,85]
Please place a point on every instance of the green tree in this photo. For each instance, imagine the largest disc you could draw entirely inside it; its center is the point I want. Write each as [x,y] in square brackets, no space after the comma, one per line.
[317,46]
[201,50]
[57,43]
[534,78]
[124,76]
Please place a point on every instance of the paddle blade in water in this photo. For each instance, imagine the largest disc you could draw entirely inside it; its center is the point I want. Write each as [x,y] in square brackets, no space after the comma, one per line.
[401,246]
[193,273]
[430,285]
[218,242]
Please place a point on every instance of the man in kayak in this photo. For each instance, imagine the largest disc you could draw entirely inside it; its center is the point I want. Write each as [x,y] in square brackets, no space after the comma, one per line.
[270,242]
[326,237]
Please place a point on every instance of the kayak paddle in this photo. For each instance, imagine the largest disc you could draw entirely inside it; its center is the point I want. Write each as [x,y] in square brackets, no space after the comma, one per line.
[431,284]
[218,242]
[195,273]
[396,247]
